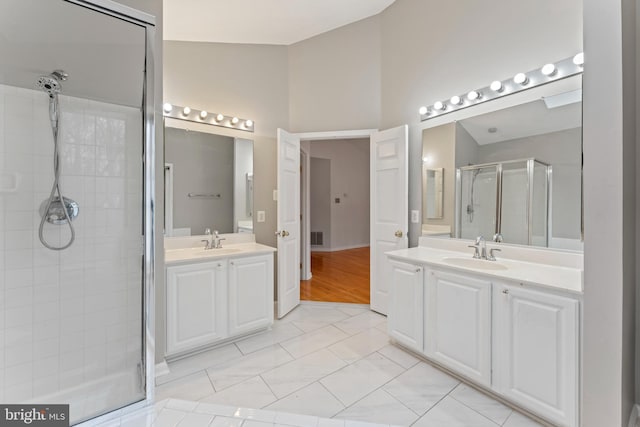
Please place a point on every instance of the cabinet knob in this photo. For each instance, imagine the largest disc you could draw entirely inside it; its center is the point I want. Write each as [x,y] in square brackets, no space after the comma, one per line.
[219,265]
[418,270]
[232,263]
[505,291]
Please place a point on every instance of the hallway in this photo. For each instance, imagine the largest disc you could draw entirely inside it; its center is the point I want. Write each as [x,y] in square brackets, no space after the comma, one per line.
[341,276]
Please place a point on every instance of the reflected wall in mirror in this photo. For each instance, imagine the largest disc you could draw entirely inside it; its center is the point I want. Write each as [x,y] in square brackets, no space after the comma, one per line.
[434,192]
[514,174]
[208,183]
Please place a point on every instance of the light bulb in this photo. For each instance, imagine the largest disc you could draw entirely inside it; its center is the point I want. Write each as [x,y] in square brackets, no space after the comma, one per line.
[423,110]
[521,79]
[496,86]
[439,106]
[248,123]
[455,100]
[203,115]
[579,59]
[167,107]
[549,70]
[235,120]
[219,118]
[426,159]
[186,111]
[473,95]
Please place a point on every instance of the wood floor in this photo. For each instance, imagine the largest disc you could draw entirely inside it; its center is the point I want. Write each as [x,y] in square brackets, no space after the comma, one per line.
[341,276]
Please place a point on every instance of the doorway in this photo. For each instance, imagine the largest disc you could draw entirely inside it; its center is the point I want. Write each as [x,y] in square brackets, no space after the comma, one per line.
[335,213]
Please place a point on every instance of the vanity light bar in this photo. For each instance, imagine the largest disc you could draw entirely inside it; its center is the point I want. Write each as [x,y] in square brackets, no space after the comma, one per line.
[549,72]
[207,117]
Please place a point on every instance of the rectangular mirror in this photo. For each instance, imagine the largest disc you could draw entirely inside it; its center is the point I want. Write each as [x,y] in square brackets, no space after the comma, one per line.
[434,193]
[208,183]
[513,174]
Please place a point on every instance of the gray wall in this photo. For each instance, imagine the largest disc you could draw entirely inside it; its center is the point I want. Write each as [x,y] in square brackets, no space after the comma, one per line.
[250,81]
[334,79]
[349,183]
[202,163]
[320,199]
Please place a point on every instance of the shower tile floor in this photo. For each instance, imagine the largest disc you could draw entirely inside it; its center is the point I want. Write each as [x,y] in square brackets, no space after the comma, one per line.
[322,365]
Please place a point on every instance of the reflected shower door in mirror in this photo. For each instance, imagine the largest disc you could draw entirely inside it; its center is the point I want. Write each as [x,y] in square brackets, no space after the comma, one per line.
[208,183]
[513,174]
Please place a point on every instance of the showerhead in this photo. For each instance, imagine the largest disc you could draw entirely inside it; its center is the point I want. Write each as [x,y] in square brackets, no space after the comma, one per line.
[51,83]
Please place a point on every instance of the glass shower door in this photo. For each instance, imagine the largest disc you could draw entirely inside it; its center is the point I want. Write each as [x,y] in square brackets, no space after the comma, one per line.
[515,203]
[72,285]
[478,201]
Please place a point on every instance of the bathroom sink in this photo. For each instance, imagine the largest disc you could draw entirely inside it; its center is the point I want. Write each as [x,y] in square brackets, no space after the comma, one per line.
[479,264]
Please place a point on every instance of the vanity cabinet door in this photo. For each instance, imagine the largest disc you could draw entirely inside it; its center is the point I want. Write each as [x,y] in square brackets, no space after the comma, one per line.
[196,305]
[250,293]
[458,323]
[406,308]
[536,351]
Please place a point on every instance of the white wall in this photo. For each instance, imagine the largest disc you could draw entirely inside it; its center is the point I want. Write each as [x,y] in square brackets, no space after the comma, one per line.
[320,200]
[349,183]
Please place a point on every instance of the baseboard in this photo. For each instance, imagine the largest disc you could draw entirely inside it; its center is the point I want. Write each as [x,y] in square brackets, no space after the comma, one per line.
[162,368]
[339,248]
[633,419]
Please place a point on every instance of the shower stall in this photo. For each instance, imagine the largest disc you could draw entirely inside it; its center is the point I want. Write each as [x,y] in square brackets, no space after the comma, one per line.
[76,205]
[508,201]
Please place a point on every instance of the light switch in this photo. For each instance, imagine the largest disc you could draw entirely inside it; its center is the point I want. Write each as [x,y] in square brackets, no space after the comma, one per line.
[261,216]
[415,217]
[275,195]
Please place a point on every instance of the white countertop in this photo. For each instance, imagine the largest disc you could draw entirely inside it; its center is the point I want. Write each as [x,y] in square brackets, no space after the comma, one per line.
[190,255]
[566,278]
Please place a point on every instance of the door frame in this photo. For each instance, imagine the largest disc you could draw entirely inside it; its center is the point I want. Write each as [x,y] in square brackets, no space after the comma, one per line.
[305,189]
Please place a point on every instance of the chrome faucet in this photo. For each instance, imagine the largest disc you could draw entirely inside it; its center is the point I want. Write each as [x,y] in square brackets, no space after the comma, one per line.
[209,241]
[480,248]
[497,238]
[216,240]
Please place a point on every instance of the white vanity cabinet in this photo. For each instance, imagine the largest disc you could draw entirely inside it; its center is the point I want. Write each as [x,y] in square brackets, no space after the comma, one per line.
[407,305]
[535,357]
[196,305]
[226,295]
[458,323]
[250,293]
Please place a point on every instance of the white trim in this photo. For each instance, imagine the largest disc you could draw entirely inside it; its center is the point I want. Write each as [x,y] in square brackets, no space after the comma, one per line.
[305,222]
[341,248]
[337,134]
[162,368]
[633,419]
[168,199]
[118,8]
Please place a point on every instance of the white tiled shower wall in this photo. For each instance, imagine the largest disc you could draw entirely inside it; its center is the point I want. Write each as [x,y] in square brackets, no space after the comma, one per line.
[70,318]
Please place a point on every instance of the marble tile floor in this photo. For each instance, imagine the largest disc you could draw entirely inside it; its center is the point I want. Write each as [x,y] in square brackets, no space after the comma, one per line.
[323,364]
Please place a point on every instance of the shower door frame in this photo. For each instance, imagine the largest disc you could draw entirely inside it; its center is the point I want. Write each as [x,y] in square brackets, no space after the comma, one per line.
[146,21]
[530,164]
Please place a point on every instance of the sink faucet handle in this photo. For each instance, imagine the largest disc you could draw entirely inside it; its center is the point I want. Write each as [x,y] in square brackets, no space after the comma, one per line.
[476,253]
[215,232]
[206,243]
[207,231]
[491,256]
[497,238]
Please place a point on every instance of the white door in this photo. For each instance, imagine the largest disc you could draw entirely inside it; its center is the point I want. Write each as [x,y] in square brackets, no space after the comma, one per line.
[389,207]
[535,361]
[288,222]
[250,293]
[407,305]
[458,323]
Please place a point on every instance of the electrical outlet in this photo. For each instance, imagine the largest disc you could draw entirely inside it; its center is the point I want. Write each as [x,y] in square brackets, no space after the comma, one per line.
[261,216]
[415,217]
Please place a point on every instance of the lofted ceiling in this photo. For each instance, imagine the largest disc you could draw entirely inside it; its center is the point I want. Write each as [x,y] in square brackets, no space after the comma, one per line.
[276,22]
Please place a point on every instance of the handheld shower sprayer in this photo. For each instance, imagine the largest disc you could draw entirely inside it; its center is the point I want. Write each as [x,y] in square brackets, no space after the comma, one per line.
[56,209]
